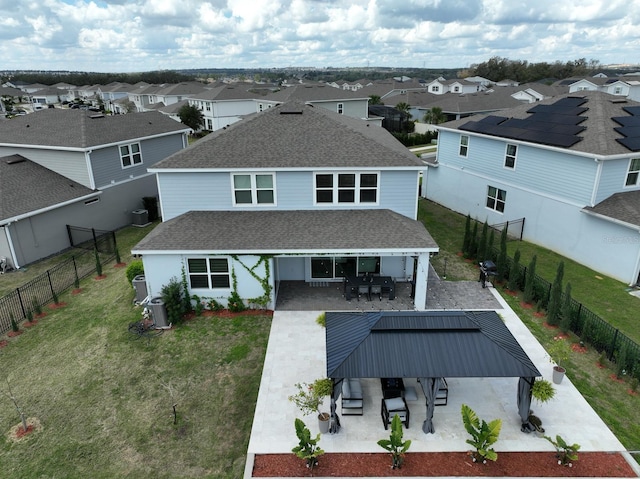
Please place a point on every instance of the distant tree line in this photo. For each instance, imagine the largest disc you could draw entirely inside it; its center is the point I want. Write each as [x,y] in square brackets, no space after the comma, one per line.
[497,68]
[90,78]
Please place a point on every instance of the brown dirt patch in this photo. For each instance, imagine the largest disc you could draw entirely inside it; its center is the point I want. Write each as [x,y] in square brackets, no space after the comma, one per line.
[540,314]
[17,432]
[13,334]
[30,324]
[119,265]
[526,305]
[3,343]
[450,464]
[57,306]
[577,348]
[510,293]
[632,392]
[225,313]
[76,291]
[100,277]
[615,378]
[549,326]
[40,315]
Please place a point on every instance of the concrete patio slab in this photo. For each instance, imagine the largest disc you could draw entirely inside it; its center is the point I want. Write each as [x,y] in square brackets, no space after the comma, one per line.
[296,353]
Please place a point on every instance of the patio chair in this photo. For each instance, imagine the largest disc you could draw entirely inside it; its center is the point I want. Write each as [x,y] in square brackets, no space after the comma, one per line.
[376,289]
[393,406]
[364,289]
[352,400]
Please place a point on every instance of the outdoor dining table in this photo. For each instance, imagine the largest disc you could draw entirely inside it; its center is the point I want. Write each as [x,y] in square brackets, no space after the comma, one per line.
[352,284]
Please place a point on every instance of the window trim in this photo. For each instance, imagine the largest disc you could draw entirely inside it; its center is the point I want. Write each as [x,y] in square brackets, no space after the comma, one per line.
[465,146]
[335,188]
[209,273]
[340,108]
[630,172]
[508,156]
[130,155]
[253,189]
[496,199]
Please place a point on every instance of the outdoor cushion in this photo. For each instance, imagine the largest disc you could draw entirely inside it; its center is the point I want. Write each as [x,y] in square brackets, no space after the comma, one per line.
[394,404]
[346,389]
[356,388]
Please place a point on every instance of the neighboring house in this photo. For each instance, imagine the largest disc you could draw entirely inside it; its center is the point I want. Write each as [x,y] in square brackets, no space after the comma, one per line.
[294,193]
[47,96]
[569,165]
[440,86]
[104,160]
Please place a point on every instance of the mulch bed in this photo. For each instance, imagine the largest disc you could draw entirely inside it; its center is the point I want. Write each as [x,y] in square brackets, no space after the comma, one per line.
[3,343]
[225,313]
[30,324]
[119,265]
[526,305]
[448,464]
[57,305]
[100,277]
[13,334]
[76,291]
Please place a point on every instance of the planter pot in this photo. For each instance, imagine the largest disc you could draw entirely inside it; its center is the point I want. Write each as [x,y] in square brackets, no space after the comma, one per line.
[323,422]
[558,374]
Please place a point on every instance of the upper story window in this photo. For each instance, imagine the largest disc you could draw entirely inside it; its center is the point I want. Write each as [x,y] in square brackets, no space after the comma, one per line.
[464,145]
[510,156]
[209,273]
[130,155]
[354,188]
[435,88]
[496,198]
[253,189]
[617,90]
[340,108]
[260,107]
[634,173]
[456,89]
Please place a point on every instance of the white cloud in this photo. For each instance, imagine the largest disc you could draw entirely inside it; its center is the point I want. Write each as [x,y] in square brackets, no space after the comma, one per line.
[126,35]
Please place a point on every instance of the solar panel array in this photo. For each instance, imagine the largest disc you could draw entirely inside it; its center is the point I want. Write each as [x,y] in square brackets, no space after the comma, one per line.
[557,124]
[630,128]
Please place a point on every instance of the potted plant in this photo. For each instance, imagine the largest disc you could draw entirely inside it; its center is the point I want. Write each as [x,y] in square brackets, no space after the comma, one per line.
[395,445]
[482,434]
[307,448]
[565,452]
[309,399]
[558,354]
[542,391]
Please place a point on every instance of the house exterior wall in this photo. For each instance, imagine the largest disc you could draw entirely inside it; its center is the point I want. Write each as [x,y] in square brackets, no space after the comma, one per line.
[107,165]
[160,269]
[612,178]
[5,250]
[542,170]
[71,164]
[353,108]
[554,223]
[183,192]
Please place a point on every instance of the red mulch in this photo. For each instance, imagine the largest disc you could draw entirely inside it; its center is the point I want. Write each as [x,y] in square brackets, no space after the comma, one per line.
[547,325]
[100,277]
[601,366]
[13,334]
[41,315]
[3,343]
[526,305]
[119,265]
[615,378]
[30,324]
[21,432]
[510,293]
[575,347]
[225,313]
[76,291]
[438,464]
[632,392]
[539,314]
[57,306]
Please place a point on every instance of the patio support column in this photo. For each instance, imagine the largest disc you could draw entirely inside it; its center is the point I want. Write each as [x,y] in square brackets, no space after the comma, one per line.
[422,271]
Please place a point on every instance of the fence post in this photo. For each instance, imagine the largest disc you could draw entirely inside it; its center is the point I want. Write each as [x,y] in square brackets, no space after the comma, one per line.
[95,240]
[578,320]
[53,293]
[522,229]
[613,344]
[75,267]
[70,235]
[24,312]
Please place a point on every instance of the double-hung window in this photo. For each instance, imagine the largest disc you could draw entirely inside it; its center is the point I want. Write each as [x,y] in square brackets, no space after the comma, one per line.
[130,155]
[510,156]
[633,173]
[496,199]
[340,108]
[346,188]
[464,145]
[208,273]
[253,189]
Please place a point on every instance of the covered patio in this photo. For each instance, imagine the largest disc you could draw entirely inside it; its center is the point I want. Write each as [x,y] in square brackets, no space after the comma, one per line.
[297,353]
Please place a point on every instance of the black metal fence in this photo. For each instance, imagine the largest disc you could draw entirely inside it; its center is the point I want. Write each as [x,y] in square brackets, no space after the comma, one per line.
[588,326]
[42,290]
[515,228]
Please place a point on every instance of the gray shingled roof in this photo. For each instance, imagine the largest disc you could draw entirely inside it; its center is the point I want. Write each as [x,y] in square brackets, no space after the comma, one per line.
[77,129]
[294,135]
[623,207]
[599,137]
[410,344]
[286,231]
[27,186]
[307,92]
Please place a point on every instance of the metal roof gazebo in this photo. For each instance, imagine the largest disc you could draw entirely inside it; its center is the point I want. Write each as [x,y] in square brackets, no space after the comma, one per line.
[428,345]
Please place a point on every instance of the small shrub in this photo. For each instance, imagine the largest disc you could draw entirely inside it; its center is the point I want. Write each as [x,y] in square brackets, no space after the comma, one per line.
[199,305]
[55,297]
[14,325]
[395,445]
[307,447]
[564,452]
[530,279]
[236,305]
[29,316]
[483,434]
[118,261]
[322,320]
[36,306]
[171,294]
[215,305]
[134,269]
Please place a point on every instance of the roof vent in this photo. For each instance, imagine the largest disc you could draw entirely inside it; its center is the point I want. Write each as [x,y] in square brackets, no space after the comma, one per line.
[618,100]
[291,112]
[99,115]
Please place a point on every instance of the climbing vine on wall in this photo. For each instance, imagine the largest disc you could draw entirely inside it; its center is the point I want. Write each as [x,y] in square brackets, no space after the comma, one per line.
[264,282]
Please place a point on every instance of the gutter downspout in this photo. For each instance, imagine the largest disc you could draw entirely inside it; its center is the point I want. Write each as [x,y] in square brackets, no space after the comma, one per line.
[11,248]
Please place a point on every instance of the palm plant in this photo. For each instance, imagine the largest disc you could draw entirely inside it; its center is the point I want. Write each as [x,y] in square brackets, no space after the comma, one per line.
[307,448]
[395,445]
[483,434]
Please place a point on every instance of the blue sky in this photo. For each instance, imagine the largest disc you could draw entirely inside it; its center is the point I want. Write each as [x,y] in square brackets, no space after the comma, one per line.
[142,35]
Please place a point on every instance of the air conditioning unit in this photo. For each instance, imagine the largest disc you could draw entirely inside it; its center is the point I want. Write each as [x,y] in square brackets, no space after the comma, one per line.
[140,217]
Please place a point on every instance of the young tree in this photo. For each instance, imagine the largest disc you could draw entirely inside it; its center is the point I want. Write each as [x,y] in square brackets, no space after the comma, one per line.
[567,310]
[482,246]
[490,252]
[375,100]
[473,244]
[503,266]
[514,273]
[529,285]
[467,236]
[555,298]
[191,116]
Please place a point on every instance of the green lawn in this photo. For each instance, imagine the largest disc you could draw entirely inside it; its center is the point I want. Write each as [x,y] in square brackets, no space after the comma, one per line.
[105,401]
[602,295]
